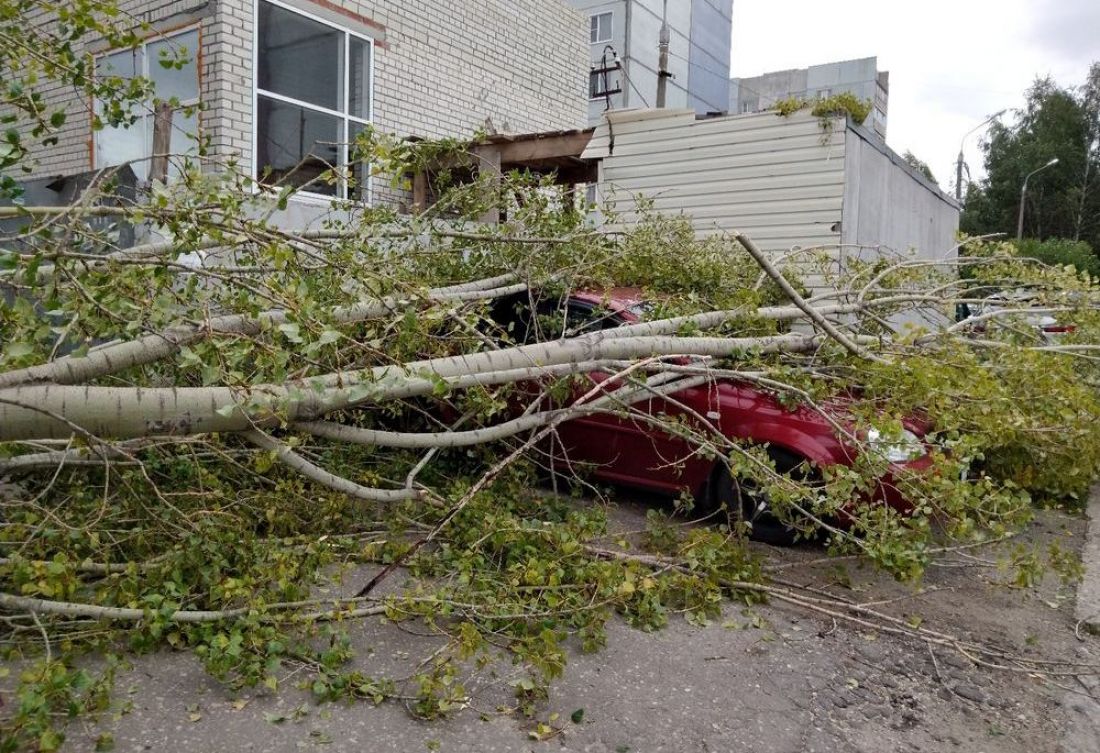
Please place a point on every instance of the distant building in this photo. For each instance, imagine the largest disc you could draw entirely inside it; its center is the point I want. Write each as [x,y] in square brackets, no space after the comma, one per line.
[859,77]
[624,35]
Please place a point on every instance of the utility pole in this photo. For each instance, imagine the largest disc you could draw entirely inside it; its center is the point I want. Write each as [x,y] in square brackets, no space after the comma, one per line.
[663,74]
[959,178]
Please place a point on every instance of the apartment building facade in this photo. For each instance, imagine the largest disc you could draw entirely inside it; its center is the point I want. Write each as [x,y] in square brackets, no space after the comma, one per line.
[624,36]
[860,77]
[284,85]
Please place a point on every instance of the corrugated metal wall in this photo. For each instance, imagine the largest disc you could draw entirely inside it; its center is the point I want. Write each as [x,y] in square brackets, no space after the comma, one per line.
[778,179]
[787,182]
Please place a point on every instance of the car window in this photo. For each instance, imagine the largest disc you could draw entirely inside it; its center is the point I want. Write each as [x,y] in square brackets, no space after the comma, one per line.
[583,318]
[514,323]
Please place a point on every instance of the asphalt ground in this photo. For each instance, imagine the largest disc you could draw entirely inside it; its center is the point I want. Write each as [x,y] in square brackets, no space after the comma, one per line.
[770,679]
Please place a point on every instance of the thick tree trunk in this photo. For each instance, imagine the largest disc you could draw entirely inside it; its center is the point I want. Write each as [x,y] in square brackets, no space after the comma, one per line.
[51,411]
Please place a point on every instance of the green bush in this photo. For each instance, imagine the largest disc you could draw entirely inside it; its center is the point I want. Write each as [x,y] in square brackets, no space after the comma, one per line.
[1060,252]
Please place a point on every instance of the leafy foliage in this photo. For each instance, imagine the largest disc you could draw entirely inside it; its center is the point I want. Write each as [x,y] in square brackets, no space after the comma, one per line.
[919,165]
[843,104]
[1063,200]
[1062,252]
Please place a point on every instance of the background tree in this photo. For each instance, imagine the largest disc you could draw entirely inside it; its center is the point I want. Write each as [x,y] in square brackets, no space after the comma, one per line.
[919,165]
[1063,201]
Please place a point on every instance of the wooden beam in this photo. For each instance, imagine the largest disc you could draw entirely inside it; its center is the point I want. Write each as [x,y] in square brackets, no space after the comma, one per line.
[162,142]
[549,147]
[489,162]
[420,192]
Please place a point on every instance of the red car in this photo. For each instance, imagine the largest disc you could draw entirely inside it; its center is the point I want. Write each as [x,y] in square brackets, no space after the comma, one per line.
[634,453]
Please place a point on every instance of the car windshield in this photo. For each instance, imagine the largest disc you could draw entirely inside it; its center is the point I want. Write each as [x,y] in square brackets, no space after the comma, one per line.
[554,318]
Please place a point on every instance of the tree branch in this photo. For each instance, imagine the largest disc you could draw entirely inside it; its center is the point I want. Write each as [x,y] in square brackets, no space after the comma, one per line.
[296,462]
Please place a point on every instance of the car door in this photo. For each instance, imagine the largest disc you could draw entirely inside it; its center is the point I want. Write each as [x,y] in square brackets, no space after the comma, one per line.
[590,440]
[654,458]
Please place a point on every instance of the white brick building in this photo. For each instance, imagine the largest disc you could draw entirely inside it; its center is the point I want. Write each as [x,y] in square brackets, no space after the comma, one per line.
[279,78]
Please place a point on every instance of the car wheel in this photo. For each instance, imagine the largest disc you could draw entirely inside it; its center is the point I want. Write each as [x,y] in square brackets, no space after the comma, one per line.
[743,501]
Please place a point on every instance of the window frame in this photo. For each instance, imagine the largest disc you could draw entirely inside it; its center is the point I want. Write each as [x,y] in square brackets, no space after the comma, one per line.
[594,18]
[346,118]
[196,101]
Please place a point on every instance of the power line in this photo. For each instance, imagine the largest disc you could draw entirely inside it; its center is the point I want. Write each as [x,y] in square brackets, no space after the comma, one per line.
[622,69]
[719,11]
[717,108]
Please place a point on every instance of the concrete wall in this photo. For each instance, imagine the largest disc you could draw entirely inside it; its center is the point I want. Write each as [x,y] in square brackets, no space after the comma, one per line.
[440,69]
[859,77]
[645,33]
[889,204]
[709,55]
[699,52]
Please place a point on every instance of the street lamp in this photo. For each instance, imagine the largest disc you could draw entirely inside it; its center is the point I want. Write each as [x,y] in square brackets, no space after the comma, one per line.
[1023,197]
[959,165]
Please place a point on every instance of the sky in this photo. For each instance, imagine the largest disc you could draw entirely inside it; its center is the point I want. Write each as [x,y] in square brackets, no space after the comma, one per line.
[951,62]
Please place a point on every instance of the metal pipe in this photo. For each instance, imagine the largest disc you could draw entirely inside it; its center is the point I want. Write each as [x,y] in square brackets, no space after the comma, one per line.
[961,162]
[1023,197]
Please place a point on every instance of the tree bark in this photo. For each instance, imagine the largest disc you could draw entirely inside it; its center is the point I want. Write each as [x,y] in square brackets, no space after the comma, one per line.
[30,411]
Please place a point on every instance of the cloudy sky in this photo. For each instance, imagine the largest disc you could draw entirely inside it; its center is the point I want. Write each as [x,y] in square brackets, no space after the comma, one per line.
[951,62]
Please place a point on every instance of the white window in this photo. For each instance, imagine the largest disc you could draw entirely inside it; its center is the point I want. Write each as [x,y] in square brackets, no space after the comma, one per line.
[600,28]
[133,143]
[313,98]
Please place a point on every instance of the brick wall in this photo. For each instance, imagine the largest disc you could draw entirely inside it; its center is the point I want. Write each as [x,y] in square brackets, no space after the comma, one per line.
[442,67]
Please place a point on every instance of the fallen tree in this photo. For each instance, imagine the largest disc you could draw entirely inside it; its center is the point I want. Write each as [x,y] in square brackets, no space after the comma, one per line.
[197,428]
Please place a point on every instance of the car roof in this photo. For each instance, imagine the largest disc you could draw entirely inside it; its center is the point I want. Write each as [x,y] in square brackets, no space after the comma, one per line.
[621,299]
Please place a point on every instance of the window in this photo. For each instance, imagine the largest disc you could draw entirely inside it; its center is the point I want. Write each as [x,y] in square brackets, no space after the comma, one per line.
[117,145]
[553,318]
[313,97]
[582,318]
[600,25]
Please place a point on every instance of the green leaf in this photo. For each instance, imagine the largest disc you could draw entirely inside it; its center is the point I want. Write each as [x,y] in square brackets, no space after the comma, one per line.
[291,332]
[329,336]
[30,274]
[188,357]
[577,716]
[226,411]
[50,740]
[18,350]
